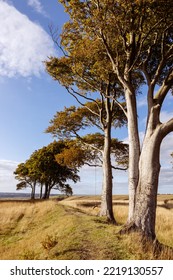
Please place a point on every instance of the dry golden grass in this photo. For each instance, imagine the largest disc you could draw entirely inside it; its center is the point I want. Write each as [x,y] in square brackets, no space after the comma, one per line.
[21,227]
[71,229]
[164,218]
[47,230]
[12,213]
[164,226]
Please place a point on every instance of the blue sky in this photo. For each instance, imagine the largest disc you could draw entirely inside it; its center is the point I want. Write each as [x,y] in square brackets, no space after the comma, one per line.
[29,97]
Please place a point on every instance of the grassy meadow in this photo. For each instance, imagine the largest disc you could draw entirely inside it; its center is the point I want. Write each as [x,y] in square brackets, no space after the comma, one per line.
[72,230]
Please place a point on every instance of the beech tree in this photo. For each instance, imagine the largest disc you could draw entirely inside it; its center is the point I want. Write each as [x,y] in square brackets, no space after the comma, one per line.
[85,71]
[26,178]
[94,87]
[89,149]
[42,169]
[133,40]
[143,31]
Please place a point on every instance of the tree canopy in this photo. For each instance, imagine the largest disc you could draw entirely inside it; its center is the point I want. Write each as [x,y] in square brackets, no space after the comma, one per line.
[27,178]
[85,71]
[111,49]
[42,169]
[73,123]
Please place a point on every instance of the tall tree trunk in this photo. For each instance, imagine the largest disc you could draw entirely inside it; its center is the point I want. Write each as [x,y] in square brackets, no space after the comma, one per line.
[149,168]
[41,191]
[33,191]
[134,150]
[146,200]
[48,192]
[45,191]
[106,197]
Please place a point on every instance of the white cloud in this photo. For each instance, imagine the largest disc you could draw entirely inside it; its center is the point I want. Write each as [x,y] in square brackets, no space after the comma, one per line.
[166,150]
[142,102]
[165,180]
[166,116]
[7,180]
[166,176]
[141,137]
[126,140]
[24,45]
[7,165]
[37,6]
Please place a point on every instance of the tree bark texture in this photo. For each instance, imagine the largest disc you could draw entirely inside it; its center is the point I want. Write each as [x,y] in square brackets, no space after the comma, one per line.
[45,191]
[48,193]
[41,191]
[33,191]
[106,197]
[149,169]
[146,199]
[134,150]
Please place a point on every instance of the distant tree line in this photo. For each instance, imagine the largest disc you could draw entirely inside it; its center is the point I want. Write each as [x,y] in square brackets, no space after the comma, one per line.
[42,170]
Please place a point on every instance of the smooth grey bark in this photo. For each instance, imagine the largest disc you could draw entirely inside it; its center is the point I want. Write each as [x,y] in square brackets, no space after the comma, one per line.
[146,197]
[106,197]
[45,191]
[33,191]
[149,169]
[48,193]
[134,150]
[41,191]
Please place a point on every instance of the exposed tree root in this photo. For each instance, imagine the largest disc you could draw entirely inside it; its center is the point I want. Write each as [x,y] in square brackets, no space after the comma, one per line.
[149,243]
[128,228]
[132,227]
[111,221]
[162,251]
[109,218]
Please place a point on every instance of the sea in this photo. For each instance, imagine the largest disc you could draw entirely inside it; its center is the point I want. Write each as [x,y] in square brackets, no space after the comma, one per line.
[15,195]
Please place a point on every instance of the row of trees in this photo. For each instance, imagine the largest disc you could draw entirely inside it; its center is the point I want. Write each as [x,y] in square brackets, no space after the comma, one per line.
[96,149]
[42,169]
[52,166]
[110,50]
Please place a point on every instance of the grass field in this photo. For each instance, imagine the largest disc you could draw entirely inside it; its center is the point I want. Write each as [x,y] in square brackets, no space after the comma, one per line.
[71,230]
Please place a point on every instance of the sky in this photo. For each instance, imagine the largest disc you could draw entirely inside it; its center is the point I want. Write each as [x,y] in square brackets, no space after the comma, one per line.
[29,98]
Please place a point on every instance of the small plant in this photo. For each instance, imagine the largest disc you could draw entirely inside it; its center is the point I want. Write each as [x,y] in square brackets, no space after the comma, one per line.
[28,255]
[49,242]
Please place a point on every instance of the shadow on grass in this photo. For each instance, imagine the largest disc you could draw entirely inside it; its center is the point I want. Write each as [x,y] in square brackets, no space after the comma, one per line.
[97,204]
[83,253]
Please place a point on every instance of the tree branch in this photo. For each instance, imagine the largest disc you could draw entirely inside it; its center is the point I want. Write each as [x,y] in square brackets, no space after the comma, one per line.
[93,165]
[119,168]
[74,93]
[55,37]
[142,43]
[87,144]
[87,81]
[119,104]
[166,86]
[167,127]
[162,61]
